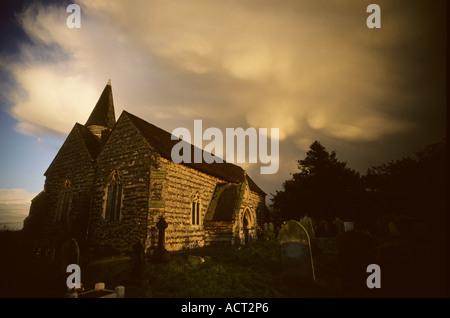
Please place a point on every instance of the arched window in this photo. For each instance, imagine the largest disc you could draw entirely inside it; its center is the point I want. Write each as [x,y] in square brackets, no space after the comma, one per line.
[114,195]
[64,201]
[195,210]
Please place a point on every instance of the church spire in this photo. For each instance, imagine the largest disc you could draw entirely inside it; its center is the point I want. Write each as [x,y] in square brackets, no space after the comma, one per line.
[103,116]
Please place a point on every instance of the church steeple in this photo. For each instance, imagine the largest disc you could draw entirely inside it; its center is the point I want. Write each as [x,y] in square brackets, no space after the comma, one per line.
[103,116]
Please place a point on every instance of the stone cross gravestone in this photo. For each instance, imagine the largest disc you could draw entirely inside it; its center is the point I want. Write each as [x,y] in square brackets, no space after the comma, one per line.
[162,226]
[296,256]
[161,254]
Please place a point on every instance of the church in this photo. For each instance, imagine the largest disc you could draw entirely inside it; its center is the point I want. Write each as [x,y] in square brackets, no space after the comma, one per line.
[113,180]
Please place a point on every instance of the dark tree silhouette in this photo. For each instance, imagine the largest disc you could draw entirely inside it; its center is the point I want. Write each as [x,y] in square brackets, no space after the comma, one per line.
[411,186]
[323,188]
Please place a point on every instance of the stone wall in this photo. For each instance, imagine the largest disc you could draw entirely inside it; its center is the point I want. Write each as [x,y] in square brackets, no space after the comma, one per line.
[179,187]
[218,233]
[251,205]
[127,152]
[178,184]
[73,162]
[153,186]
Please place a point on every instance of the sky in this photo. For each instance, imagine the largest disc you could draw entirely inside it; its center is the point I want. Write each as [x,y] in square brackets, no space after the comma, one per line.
[313,69]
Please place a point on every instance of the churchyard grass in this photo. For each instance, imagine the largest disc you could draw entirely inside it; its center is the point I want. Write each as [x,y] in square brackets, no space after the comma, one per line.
[227,272]
[230,272]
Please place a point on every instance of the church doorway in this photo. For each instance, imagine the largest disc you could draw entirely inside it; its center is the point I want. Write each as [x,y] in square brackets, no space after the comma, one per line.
[246,225]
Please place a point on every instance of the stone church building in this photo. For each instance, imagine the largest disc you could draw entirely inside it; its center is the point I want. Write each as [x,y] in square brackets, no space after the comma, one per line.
[112,181]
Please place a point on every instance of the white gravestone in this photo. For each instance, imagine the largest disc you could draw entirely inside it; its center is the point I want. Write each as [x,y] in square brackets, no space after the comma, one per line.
[296,256]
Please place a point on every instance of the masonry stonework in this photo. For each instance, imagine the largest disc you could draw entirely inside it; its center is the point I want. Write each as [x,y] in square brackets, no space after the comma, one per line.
[75,164]
[126,167]
[127,153]
[181,185]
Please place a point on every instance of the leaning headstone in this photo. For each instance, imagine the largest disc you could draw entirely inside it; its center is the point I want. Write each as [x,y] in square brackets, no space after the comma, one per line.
[393,229]
[296,256]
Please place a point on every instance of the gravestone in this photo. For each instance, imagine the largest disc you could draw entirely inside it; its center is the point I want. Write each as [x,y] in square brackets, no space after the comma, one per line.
[100,291]
[195,260]
[161,254]
[120,291]
[339,227]
[348,226]
[70,254]
[162,226]
[393,229]
[139,261]
[269,233]
[324,229]
[296,256]
[307,223]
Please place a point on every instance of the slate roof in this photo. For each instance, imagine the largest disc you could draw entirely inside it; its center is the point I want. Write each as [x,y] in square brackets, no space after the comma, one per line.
[163,144]
[103,113]
[91,142]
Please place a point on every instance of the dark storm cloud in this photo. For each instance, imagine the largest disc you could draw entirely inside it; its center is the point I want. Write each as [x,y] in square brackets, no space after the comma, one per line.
[312,69]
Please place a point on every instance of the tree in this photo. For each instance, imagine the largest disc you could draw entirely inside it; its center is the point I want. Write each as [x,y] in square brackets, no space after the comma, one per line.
[411,186]
[323,188]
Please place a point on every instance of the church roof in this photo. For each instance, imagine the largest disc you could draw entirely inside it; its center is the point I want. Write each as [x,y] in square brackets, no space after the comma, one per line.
[163,144]
[223,203]
[103,113]
[92,143]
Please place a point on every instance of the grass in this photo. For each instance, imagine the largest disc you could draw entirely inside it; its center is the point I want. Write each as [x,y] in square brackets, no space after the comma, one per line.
[409,269]
[253,271]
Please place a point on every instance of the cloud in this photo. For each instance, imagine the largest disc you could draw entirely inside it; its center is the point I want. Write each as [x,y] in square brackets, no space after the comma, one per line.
[313,70]
[14,207]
